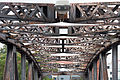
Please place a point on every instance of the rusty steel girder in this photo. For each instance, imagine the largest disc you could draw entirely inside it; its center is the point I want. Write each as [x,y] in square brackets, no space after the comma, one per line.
[41,41]
[21,23]
[102,12]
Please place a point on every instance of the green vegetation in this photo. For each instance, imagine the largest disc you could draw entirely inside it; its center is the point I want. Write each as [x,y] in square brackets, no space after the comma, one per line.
[3,54]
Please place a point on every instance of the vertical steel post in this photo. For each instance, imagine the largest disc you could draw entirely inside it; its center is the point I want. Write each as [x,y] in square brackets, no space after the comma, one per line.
[35,74]
[70,30]
[86,76]
[23,67]
[115,62]
[98,69]
[104,74]
[56,30]
[72,13]
[99,73]
[90,73]
[30,70]
[51,13]
[16,69]
[95,69]
[11,64]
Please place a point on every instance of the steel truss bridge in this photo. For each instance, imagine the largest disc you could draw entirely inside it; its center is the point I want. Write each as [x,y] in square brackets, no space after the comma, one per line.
[21,31]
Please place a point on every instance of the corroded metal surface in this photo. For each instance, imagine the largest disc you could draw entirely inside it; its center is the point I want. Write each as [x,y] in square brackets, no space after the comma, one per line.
[102,12]
[20,25]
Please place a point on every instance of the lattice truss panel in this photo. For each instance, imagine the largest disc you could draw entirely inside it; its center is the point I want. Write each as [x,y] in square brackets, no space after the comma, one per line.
[18,21]
[106,12]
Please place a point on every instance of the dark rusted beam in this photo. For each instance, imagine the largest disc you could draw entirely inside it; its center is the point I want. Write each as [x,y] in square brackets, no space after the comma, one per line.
[95,69]
[35,74]
[99,73]
[115,62]
[90,73]
[98,69]
[51,13]
[30,70]
[72,13]
[104,74]
[16,69]
[23,67]
[11,72]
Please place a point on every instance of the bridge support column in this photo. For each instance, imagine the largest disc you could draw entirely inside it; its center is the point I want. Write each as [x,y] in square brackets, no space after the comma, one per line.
[10,72]
[114,62]
[35,74]
[90,73]
[95,69]
[23,67]
[30,70]
[103,67]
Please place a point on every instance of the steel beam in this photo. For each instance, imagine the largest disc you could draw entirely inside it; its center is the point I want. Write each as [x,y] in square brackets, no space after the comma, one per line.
[23,67]
[16,70]
[114,62]
[51,13]
[103,72]
[35,74]
[30,70]
[95,69]
[90,73]
[98,70]
[72,13]
[10,72]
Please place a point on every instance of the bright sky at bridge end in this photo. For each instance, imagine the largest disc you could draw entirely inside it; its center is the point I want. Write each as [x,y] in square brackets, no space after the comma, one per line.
[53,1]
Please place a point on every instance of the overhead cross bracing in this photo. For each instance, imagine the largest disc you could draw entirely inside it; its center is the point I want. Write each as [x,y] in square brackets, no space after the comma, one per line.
[38,39]
[25,25]
[102,12]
